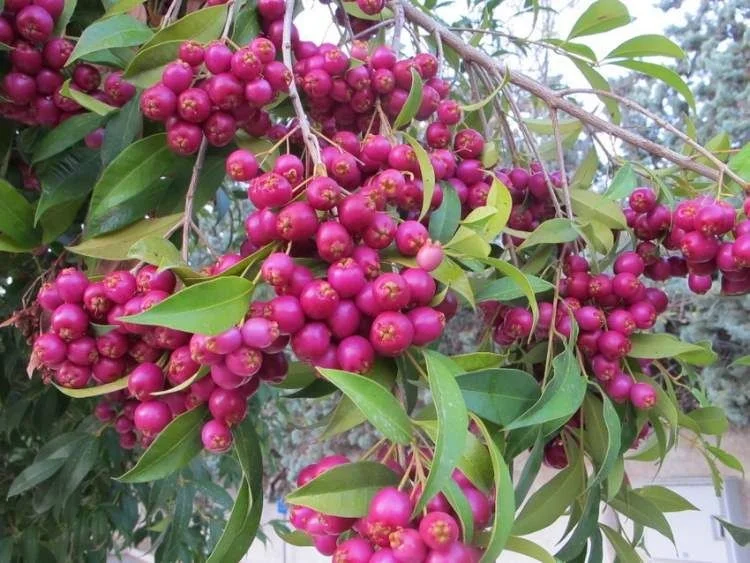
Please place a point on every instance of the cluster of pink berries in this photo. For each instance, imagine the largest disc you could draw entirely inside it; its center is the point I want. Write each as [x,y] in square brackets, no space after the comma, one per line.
[32,87]
[360,26]
[531,195]
[607,308]
[154,358]
[704,231]
[211,90]
[388,533]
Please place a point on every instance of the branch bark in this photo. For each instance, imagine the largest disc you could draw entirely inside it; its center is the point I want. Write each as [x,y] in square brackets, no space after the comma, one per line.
[554,100]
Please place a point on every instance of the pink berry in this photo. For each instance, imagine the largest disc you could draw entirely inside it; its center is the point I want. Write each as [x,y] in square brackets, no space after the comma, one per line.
[151,417]
[391,333]
[642,395]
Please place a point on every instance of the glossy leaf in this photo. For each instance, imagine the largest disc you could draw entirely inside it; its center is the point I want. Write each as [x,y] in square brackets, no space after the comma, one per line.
[345,490]
[451,416]
[462,508]
[642,511]
[444,220]
[550,502]
[162,254]
[601,16]
[129,178]
[451,274]
[146,67]
[413,101]
[603,434]
[34,474]
[244,520]
[172,449]
[552,231]
[499,395]
[666,75]
[201,25]
[562,396]
[505,506]
[17,216]
[578,49]
[467,243]
[590,205]
[623,183]
[530,469]
[118,31]
[246,24]
[598,82]
[208,307]
[529,549]
[427,173]
[88,102]
[95,391]
[666,499]
[500,199]
[520,279]
[65,135]
[121,130]
[507,289]
[69,7]
[651,45]
[655,346]
[375,401]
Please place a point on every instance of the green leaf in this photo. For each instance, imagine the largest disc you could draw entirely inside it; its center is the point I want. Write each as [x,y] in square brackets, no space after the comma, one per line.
[666,499]
[122,7]
[146,67]
[740,535]
[505,506]
[352,9]
[549,503]
[376,402]
[491,96]
[642,511]
[666,75]
[740,162]
[625,552]
[451,274]
[498,198]
[590,205]
[726,458]
[586,171]
[444,220]
[623,183]
[345,490]
[200,374]
[598,82]
[452,419]
[585,528]
[116,245]
[162,254]
[246,24]
[172,449]
[121,130]
[562,396]
[88,102]
[651,45]
[244,520]
[201,25]
[478,360]
[299,375]
[529,549]
[17,216]
[36,473]
[467,243]
[77,467]
[95,391]
[64,18]
[462,508]
[110,33]
[519,278]
[603,435]
[601,16]
[710,420]
[128,179]
[552,231]
[573,48]
[208,307]
[427,173]
[655,346]
[506,289]
[65,135]
[499,395]
[411,106]
[530,469]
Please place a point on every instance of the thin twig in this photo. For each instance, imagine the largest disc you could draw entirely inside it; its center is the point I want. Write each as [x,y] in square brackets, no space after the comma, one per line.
[398,26]
[440,55]
[477,97]
[347,21]
[553,99]
[500,112]
[311,142]
[370,30]
[174,8]
[529,138]
[561,163]
[188,217]
[663,123]
[230,17]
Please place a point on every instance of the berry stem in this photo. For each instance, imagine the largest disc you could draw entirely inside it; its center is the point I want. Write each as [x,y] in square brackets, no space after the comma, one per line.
[188,217]
[561,163]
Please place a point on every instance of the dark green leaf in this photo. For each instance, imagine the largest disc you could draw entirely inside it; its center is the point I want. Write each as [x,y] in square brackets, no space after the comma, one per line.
[345,490]
[666,499]
[506,289]
[65,135]
[499,395]
[246,24]
[146,67]
[413,101]
[118,31]
[172,449]
[562,396]
[462,508]
[585,528]
[603,433]
[444,220]
[208,307]
[625,552]
[121,130]
[452,420]
[642,511]
[740,535]
[17,216]
[376,402]
[530,469]
[36,473]
[85,101]
[201,25]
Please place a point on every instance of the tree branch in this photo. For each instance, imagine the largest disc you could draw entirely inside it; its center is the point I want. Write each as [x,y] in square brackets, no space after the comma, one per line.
[188,217]
[561,163]
[553,98]
[311,142]
[398,24]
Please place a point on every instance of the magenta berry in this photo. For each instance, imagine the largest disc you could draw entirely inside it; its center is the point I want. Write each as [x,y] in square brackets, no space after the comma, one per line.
[151,417]
[259,333]
[69,322]
[227,405]
[346,277]
[428,324]
[144,380]
[71,285]
[49,349]
[391,333]
[642,395]
[311,341]
[391,292]
[319,299]
[438,530]
[411,237]
[613,344]
[355,354]
[297,221]
[333,241]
